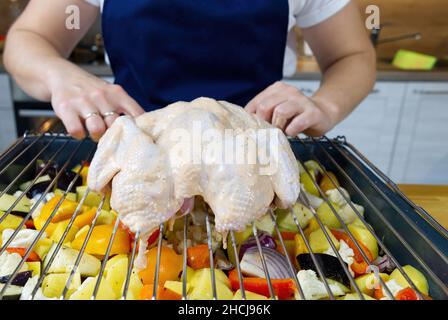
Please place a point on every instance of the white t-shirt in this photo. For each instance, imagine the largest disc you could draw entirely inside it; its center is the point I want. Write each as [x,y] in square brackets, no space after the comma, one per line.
[302,13]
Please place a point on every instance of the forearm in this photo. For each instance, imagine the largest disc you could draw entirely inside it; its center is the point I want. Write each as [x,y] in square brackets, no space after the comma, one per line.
[345,84]
[35,63]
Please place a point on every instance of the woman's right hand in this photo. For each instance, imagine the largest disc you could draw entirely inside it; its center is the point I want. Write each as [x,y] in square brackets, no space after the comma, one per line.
[88,104]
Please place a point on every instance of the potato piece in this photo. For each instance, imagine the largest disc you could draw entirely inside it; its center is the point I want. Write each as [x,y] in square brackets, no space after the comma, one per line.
[366,283]
[300,246]
[85,291]
[116,271]
[308,183]
[327,215]
[65,260]
[249,296]
[220,276]
[42,247]
[93,199]
[319,243]
[355,296]
[135,286]
[60,229]
[54,284]
[327,184]
[176,286]
[365,237]
[10,222]
[34,266]
[106,217]
[416,277]
[202,286]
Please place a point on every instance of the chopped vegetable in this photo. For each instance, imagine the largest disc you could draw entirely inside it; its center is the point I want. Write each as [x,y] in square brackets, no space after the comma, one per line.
[169,269]
[265,241]
[93,199]
[32,257]
[19,280]
[100,238]
[406,294]
[162,293]
[249,296]
[202,286]
[276,263]
[319,243]
[327,216]
[415,275]
[65,260]
[359,266]
[283,288]
[327,183]
[331,267]
[198,257]
[7,201]
[85,290]
[53,284]
[10,222]
[363,235]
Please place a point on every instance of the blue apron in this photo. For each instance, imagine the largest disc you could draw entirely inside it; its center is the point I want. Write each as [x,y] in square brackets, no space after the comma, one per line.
[163,51]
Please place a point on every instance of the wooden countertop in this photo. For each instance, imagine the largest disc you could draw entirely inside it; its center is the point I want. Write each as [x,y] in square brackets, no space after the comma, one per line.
[434,199]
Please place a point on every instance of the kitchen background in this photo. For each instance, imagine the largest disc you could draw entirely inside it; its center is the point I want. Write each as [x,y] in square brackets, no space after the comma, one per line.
[401,127]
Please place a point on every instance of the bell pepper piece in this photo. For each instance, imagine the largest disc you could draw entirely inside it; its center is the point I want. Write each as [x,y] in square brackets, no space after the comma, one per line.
[99,240]
[162,293]
[406,294]
[85,218]
[169,269]
[283,288]
[198,257]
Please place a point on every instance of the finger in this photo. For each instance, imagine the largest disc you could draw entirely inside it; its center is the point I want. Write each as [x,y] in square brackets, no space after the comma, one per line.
[110,119]
[266,106]
[252,105]
[96,127]
[127,105]
[72,123]
[284,112]
[299,124]
[93,121]
[109,110]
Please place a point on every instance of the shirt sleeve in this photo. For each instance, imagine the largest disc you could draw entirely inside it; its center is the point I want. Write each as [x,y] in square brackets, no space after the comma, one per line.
[313,12]
[95,3]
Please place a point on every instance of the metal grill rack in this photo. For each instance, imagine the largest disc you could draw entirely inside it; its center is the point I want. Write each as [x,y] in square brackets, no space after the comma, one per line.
[404,231]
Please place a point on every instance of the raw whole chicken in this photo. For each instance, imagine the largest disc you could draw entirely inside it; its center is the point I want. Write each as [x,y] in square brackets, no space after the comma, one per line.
[170,155]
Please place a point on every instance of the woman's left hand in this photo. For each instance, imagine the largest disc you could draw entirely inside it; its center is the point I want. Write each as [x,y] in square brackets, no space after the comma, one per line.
[291,111]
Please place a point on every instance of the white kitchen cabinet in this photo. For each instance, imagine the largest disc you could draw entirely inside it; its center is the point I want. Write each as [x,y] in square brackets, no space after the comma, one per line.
[372,127]
[7,118]
[421,154]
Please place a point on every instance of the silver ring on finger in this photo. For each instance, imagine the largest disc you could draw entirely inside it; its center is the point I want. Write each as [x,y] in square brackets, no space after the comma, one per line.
[109,114]
[90,115]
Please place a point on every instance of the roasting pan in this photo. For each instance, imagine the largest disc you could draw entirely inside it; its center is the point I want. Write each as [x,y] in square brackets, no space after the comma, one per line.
[404,230]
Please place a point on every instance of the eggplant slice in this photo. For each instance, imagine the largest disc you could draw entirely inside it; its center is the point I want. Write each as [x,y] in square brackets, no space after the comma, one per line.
[331,267]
